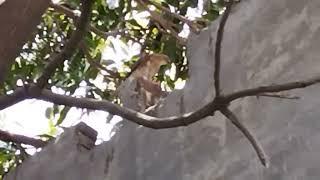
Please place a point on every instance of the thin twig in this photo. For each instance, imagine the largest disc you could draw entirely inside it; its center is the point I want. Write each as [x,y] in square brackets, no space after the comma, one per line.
[70,46]
[255,143]
[219,39]
[280,96]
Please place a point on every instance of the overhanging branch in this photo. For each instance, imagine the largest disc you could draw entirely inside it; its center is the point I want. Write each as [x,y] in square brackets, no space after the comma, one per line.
[10,99]
[129,114]
[20,139]
[32,91]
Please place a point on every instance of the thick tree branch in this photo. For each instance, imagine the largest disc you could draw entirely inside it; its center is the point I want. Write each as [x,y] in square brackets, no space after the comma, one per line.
[10,99]
[33,91]
[71,45]
[255,143]
[272,89]
[217,57]
[20,139]
[69,12]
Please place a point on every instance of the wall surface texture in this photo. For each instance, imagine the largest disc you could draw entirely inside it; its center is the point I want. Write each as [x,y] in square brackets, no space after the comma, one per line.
[266,42]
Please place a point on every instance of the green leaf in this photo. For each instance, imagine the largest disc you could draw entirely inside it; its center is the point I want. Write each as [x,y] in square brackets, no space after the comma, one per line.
[49,112]
[63,115]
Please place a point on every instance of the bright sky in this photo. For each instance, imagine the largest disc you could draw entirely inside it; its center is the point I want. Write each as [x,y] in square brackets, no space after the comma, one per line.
[28,117]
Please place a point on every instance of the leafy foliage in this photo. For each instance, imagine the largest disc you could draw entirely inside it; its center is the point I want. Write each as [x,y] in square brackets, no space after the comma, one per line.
[10,157]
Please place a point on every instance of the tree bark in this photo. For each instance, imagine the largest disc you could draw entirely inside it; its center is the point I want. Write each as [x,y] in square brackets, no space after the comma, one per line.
[18,19]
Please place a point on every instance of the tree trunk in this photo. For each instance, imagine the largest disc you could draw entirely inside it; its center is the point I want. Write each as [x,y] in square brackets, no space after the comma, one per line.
[18,19]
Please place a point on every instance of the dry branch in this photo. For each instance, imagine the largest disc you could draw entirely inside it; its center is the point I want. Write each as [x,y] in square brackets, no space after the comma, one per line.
[255,143]
[57,59]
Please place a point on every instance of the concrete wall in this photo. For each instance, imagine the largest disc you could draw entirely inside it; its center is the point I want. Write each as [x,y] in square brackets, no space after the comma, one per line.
[265,42]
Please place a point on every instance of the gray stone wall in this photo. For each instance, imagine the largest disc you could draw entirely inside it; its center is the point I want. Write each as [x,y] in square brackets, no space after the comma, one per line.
[73,156]
[266,42]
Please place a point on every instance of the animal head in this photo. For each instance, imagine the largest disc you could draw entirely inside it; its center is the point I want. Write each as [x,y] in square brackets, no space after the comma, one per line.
[158,59]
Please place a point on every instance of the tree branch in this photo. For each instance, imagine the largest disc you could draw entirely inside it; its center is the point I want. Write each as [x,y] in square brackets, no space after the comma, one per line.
[69,12]
[71,45]
[96,64]
[192,26]
[20,139]
[131,115]
[219,39]
[166,24]
[10,99]
[33,91]
[148,121]
[255,143]
[272,89]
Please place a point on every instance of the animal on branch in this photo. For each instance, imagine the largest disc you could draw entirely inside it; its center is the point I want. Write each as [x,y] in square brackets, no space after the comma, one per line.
[143,71]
